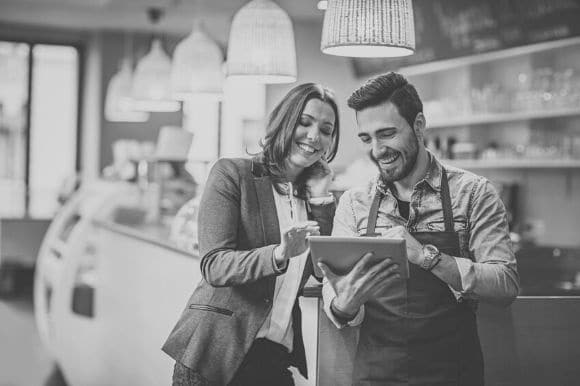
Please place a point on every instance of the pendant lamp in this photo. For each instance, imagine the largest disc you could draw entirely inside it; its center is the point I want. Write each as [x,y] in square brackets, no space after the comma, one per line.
[118,102]
[368,28]
[152,82]
[261,45]
[197,68]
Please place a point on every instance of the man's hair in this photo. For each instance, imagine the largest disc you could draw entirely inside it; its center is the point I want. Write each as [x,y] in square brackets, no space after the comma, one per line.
[390,87]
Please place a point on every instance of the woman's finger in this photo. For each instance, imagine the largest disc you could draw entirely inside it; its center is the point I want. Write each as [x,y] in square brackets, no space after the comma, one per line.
[305,224]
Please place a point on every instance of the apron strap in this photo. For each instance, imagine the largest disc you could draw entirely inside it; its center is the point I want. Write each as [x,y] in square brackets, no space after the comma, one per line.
[446,201]
[373,214]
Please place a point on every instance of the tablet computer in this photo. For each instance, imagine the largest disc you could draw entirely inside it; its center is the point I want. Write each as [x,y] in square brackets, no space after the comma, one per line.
[342,253]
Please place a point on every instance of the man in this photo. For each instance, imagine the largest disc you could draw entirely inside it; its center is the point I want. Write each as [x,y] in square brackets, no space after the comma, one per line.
[419,331]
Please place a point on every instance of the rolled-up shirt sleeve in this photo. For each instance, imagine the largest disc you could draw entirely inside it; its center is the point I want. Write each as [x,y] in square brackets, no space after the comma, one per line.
[328,296]
[344,225]
[491,274]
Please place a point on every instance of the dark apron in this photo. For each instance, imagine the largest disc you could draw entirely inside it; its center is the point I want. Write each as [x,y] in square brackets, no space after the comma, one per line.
[417,333]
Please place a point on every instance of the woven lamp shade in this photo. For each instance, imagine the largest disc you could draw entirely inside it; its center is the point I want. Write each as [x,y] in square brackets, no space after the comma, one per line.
[119,102]
[368,28]
[261,46]
[197,68]
[152,82]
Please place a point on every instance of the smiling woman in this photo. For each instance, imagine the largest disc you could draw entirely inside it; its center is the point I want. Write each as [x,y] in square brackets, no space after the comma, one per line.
[254,219]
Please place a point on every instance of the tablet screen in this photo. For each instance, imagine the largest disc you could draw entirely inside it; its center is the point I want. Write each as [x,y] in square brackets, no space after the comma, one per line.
[342,253]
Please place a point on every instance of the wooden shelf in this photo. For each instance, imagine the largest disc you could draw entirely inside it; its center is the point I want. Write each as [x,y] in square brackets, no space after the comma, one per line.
[503,117]
[517,163]
[442,65]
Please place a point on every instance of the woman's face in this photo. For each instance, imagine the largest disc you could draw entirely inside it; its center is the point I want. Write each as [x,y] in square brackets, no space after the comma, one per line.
[313,135]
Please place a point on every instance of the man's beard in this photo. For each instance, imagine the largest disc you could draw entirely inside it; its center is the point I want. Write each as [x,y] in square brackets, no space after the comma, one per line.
[392,175]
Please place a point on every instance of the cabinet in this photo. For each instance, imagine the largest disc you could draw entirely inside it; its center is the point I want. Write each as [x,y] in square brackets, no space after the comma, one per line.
[510,109]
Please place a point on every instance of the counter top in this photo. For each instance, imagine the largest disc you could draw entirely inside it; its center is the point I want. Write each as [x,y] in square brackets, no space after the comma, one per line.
[544,271]
[156,234]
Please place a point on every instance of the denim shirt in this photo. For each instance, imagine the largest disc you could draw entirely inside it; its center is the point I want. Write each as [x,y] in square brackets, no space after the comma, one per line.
[487,265]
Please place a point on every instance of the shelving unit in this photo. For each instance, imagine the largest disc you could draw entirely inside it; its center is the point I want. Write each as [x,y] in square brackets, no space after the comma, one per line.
[483,119]
[515,164]
[443,65]
[468,99]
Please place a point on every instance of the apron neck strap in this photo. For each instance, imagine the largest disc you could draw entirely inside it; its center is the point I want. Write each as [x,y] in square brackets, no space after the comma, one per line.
[373,214]
[445,201]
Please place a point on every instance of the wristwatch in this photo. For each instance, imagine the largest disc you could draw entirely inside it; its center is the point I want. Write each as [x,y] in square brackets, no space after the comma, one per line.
[431,256]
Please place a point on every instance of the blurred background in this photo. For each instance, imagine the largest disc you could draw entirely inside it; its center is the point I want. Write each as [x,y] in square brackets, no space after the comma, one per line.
[113,111]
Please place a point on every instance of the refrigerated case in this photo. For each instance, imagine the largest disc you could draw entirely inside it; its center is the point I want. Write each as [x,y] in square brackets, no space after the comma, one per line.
[66,261]
[110,285]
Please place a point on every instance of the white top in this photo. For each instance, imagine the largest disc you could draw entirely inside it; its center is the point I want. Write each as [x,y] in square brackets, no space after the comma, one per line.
[278,325]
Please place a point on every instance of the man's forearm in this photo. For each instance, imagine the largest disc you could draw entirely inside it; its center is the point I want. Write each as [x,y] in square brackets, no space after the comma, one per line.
[489,281]
[493,280]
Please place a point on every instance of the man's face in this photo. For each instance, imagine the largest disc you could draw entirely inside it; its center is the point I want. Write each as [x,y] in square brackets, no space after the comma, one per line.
[392,144]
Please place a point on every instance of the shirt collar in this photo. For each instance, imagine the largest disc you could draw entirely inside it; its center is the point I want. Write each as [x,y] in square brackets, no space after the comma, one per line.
[434,172]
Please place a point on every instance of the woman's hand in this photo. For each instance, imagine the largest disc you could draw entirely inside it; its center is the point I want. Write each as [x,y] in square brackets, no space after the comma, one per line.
[294,241]
[319,178]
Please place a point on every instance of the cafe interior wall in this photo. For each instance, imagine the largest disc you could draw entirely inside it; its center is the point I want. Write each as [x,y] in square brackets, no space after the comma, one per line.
[548,199]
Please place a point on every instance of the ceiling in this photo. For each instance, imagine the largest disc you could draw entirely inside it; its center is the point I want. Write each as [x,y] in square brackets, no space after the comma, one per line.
[132,14]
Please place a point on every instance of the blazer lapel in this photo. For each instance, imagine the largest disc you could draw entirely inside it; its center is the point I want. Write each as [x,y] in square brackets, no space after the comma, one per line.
[266,205]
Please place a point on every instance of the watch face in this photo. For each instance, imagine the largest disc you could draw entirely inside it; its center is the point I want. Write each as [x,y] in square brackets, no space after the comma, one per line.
[430,250]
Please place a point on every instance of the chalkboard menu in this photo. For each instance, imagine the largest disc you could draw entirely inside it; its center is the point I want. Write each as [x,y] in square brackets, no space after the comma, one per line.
[446,29]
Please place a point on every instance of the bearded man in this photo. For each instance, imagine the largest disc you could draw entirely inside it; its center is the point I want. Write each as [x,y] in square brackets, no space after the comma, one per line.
[421,330]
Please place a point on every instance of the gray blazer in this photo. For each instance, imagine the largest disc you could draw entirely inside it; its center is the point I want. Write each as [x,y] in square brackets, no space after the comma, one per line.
[228,307]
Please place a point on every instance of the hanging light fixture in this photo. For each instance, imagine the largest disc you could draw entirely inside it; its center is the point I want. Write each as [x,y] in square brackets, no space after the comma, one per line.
[261,46]
[365,28]
[152,79]
[197,66]
[118,102]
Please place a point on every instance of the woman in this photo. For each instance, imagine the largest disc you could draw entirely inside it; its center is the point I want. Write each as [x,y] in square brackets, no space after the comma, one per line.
[242,325]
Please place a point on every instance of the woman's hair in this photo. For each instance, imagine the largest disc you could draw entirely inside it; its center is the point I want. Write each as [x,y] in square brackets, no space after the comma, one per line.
[284,120]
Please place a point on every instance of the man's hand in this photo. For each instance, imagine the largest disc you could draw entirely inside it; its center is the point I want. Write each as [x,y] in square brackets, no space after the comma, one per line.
[294,241]
[367,279]
[414,248]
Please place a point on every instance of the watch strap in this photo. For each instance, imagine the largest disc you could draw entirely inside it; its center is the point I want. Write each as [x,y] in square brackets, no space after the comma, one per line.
[435,261]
